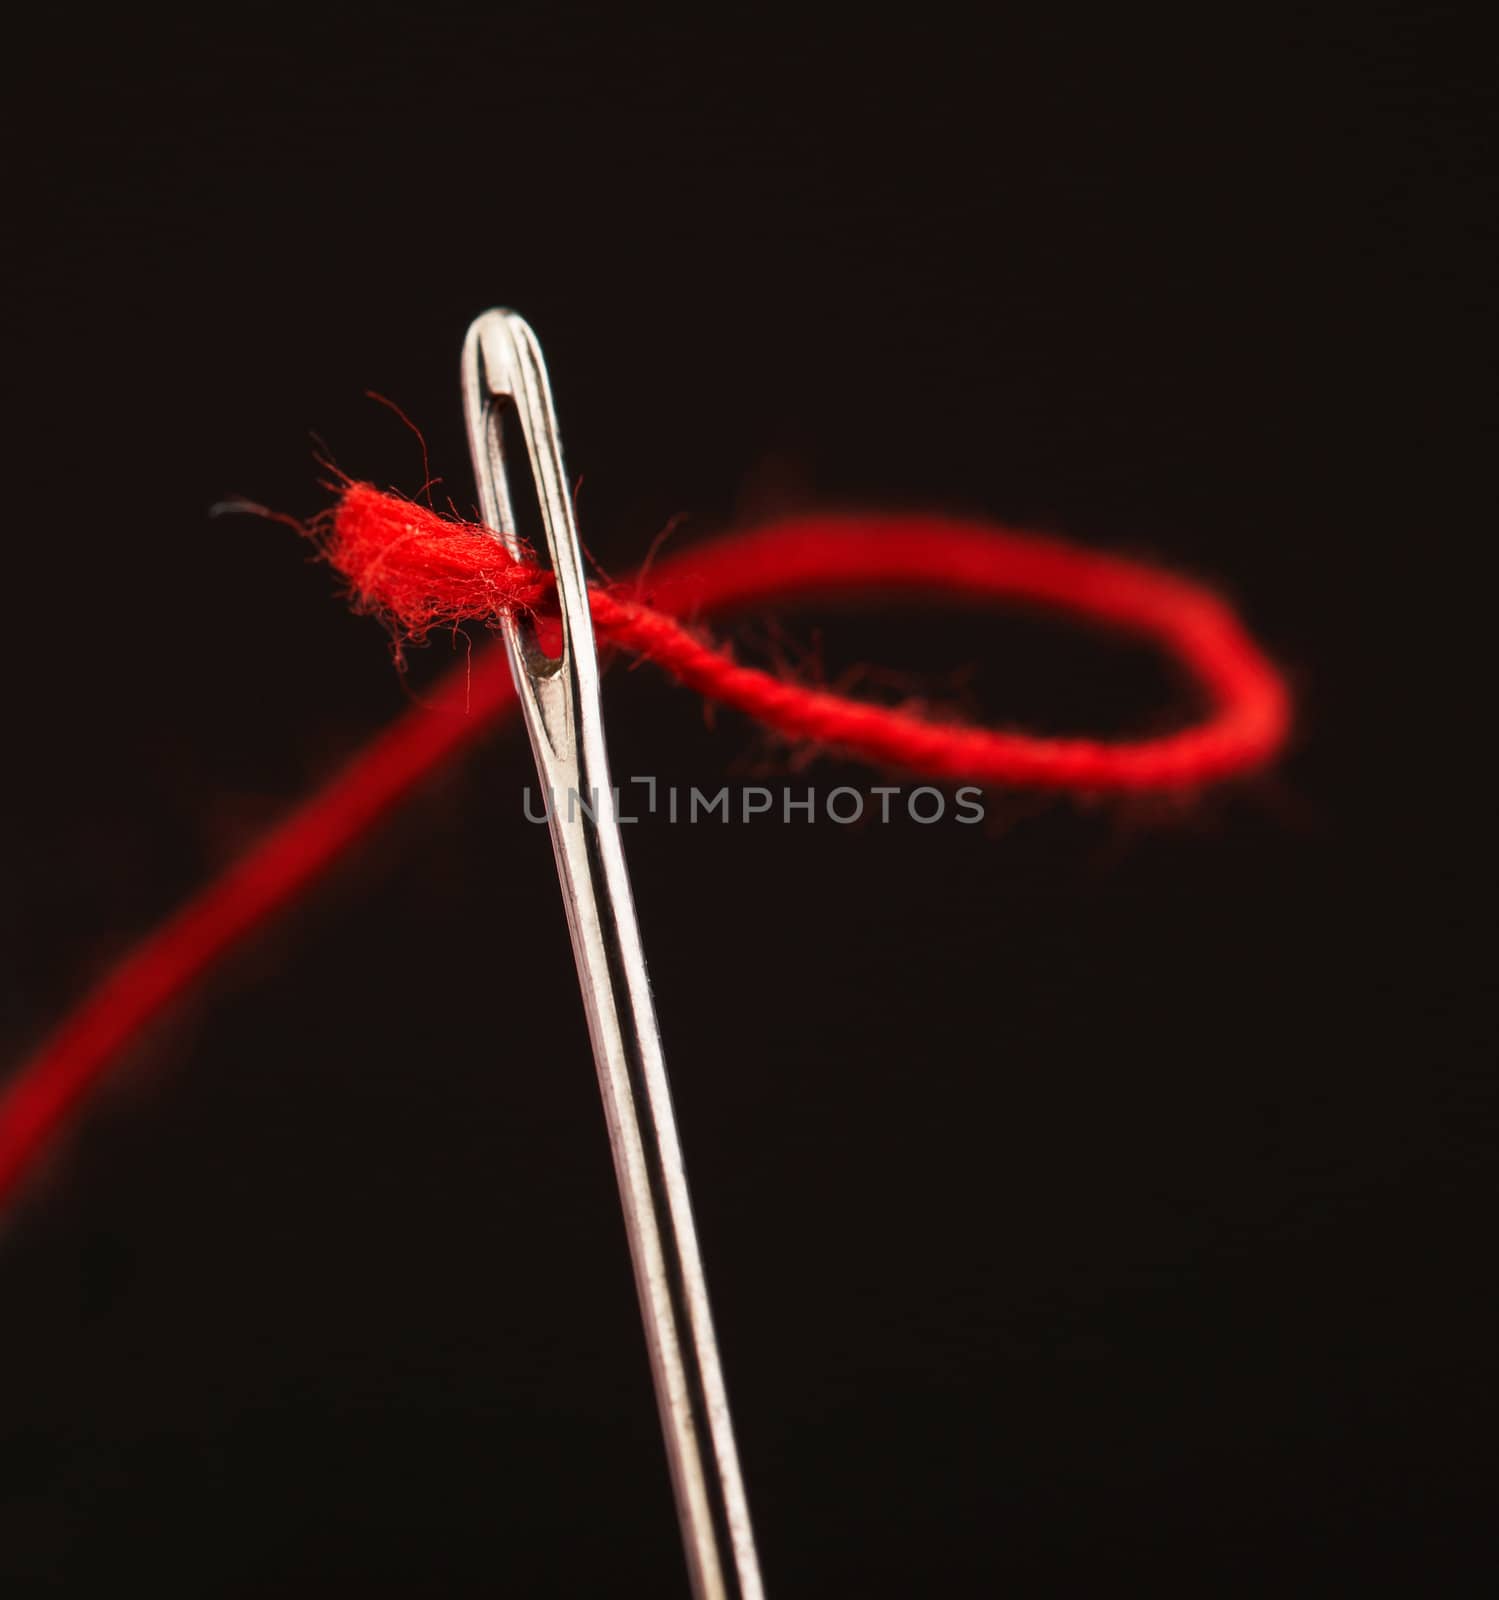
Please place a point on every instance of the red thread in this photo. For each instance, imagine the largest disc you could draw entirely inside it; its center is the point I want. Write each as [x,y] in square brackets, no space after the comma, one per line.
[420,570]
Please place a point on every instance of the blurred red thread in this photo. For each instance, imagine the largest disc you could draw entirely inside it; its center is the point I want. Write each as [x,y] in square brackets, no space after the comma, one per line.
[418,570]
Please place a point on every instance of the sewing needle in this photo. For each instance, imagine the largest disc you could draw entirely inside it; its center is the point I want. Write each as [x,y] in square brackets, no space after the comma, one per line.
[503,369]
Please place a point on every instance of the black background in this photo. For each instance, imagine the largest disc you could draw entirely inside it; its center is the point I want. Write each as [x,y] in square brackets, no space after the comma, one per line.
[1093,1199]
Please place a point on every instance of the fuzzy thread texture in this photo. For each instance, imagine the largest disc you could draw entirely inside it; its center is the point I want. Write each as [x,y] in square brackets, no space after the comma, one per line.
[420,571]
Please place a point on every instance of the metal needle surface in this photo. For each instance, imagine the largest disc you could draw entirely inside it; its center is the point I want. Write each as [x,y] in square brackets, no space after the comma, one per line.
[502,369]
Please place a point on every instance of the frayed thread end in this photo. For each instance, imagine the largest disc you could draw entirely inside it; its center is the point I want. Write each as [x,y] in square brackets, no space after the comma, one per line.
[417,570]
